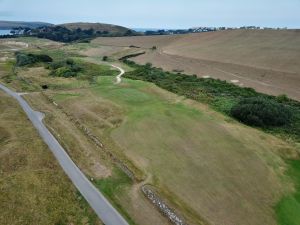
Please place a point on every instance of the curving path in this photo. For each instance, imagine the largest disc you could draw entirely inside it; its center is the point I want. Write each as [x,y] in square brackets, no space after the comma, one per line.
[96,200]
[119,80]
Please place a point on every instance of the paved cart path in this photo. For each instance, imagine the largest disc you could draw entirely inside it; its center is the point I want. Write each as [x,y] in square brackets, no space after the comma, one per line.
[105,211]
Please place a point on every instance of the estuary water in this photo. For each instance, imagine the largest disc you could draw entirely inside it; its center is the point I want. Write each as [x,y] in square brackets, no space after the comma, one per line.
[4,32]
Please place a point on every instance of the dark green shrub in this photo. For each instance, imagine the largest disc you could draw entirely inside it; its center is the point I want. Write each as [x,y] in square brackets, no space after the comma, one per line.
[223,96]
[262,112]
[282,98]
[43,58]
[56,65]
[70,62]
[64,72]
[65,68]
[24,59]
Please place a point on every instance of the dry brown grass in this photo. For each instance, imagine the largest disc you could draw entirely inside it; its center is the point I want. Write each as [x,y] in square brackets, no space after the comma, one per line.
[34,189]
[83,152]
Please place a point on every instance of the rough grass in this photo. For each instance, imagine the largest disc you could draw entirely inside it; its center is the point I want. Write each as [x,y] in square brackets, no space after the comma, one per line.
[32,78]
[34,189]
[112,187]
[92,161]
[194,143]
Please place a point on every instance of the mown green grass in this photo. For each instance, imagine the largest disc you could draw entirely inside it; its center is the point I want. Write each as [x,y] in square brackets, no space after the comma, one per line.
[56,54]
[288,209]
[165,136]
[64,96]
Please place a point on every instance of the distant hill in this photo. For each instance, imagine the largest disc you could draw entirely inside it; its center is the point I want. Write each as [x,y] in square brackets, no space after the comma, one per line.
[97,27]
[7,25]
[67,32]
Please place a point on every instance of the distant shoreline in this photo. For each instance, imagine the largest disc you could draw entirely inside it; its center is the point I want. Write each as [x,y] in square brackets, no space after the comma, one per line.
[5,32]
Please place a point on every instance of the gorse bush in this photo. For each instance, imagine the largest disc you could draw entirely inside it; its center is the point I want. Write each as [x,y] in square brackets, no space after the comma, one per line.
[65,68]
[80,69]
[262,112]
[24,59]
[275,114]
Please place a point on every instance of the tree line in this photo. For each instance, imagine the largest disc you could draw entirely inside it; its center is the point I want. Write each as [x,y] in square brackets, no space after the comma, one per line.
[62,34]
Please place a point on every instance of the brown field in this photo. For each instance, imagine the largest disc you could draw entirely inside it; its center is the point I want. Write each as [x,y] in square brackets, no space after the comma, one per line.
[33,187]
[265,60]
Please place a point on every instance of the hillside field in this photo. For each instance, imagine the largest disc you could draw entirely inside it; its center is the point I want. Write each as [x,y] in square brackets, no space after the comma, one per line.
[205,165]
[266,60]
[208,167]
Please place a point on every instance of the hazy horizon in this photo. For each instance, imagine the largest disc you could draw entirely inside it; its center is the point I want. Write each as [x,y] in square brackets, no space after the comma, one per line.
[155,14]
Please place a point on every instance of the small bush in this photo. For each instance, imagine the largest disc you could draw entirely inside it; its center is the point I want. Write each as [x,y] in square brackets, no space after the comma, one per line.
[224,97]
[262,112]
[43,58]
[282,98]
[24,59]
[65,68]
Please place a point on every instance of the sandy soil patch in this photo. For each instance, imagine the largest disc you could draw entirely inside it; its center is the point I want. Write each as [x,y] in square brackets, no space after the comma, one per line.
[17,43]
[3,59]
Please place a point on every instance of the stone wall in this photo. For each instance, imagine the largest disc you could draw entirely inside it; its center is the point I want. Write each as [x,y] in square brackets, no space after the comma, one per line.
[162,206]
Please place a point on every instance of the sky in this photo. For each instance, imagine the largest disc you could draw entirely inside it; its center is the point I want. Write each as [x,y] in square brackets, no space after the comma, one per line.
[157,13]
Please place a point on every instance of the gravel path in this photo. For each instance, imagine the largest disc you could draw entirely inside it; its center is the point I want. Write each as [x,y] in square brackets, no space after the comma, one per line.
[119,76]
